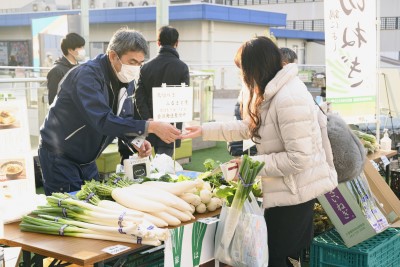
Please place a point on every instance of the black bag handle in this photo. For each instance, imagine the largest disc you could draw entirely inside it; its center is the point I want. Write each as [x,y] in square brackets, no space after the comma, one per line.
[319,107]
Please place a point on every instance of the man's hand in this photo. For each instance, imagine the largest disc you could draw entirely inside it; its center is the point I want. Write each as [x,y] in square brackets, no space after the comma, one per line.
[145,150]
[164,130]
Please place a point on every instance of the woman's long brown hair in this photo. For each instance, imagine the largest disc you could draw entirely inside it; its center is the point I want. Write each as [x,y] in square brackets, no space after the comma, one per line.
[260,61]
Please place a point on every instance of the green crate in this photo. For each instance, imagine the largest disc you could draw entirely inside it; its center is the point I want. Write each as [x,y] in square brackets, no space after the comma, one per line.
[146,257]
[329,250]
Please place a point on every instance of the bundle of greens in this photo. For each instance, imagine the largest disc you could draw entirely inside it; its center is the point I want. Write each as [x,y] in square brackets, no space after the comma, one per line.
[368,140]
[64,215]
[248,171]
[223,189]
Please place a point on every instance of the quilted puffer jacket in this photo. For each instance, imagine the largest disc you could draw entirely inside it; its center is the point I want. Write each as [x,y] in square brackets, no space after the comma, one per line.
[293,137]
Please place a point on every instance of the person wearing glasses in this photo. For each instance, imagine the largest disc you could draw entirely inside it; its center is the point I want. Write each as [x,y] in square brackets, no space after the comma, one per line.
[92,109]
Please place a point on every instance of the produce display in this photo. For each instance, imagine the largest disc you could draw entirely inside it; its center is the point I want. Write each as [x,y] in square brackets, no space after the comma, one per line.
[66,216]
[368,140]
[139,210]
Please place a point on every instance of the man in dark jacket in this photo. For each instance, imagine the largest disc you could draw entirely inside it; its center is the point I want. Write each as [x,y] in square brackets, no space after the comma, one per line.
[73,51]
[93,107]
[166,68]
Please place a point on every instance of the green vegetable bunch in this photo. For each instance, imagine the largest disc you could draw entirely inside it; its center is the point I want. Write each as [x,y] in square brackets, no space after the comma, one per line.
[368,140]
[223,189]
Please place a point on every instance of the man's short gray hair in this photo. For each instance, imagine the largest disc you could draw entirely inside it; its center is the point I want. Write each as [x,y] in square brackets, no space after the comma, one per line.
[125,40]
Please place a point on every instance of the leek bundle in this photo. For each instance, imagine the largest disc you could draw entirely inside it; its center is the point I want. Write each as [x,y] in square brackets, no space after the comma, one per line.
[248,171]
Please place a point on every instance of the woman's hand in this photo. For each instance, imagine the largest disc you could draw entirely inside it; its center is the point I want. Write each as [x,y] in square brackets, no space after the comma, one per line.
[192,132]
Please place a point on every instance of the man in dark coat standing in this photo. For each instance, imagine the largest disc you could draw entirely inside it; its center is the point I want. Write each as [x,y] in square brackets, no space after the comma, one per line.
[166,68]
[72,46]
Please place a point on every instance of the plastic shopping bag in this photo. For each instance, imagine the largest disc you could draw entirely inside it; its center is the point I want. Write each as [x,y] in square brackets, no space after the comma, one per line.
[249,245]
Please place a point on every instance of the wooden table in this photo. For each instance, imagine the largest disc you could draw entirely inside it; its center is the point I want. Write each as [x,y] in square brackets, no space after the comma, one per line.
[377,158]
[80,251]
[378,154]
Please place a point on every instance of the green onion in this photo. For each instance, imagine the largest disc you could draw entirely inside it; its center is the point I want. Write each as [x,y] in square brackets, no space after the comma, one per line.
[247,175]
[38,225]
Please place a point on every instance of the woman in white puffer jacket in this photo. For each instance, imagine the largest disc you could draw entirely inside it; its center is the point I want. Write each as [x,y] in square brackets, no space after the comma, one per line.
[283,122]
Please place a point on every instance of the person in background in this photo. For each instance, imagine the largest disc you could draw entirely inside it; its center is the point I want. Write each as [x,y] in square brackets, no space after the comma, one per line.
[92,109]
[12,62]
[72,46]
[288,55]
[48,61]
[166,68]
[283,122]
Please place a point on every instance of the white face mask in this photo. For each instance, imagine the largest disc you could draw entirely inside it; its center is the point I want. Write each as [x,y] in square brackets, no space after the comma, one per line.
[128,73]
[81,55]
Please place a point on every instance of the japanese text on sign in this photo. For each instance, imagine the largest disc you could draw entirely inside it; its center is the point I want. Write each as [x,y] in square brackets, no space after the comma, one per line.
[340,206]
[350,70]
[173,104]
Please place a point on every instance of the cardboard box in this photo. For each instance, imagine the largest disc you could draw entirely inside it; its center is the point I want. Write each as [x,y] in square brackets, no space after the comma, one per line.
[191,244]
[346,215]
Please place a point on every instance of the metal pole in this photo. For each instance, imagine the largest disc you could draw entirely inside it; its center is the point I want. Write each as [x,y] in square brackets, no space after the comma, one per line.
[162,14]
[378,66]
[85,25]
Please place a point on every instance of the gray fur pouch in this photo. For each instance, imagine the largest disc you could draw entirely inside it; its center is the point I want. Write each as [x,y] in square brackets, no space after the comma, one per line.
[347,149]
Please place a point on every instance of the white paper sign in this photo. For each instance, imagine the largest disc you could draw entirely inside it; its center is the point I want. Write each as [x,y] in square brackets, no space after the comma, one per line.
[173,103]
[385,160]
[113,250]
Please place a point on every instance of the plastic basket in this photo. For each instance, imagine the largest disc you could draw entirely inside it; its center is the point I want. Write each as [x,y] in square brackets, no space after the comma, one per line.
[328,250]
[146,257]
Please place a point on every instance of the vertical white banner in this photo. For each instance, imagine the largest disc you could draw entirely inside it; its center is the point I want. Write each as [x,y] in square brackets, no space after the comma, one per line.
[350,46]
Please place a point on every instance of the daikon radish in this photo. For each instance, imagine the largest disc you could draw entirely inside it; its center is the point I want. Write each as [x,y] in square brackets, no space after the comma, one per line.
[191,198]
[154,194]
[201,208]
[125,197]
[171,220]
[191,214]
[163,196]
[177,188]
[112,205]
[182,216]
[157,221]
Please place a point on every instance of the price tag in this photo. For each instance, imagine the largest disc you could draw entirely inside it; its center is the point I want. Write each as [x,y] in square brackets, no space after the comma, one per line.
[209,220]
[376,165]
[385,160]
[138,141]
[113,250]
